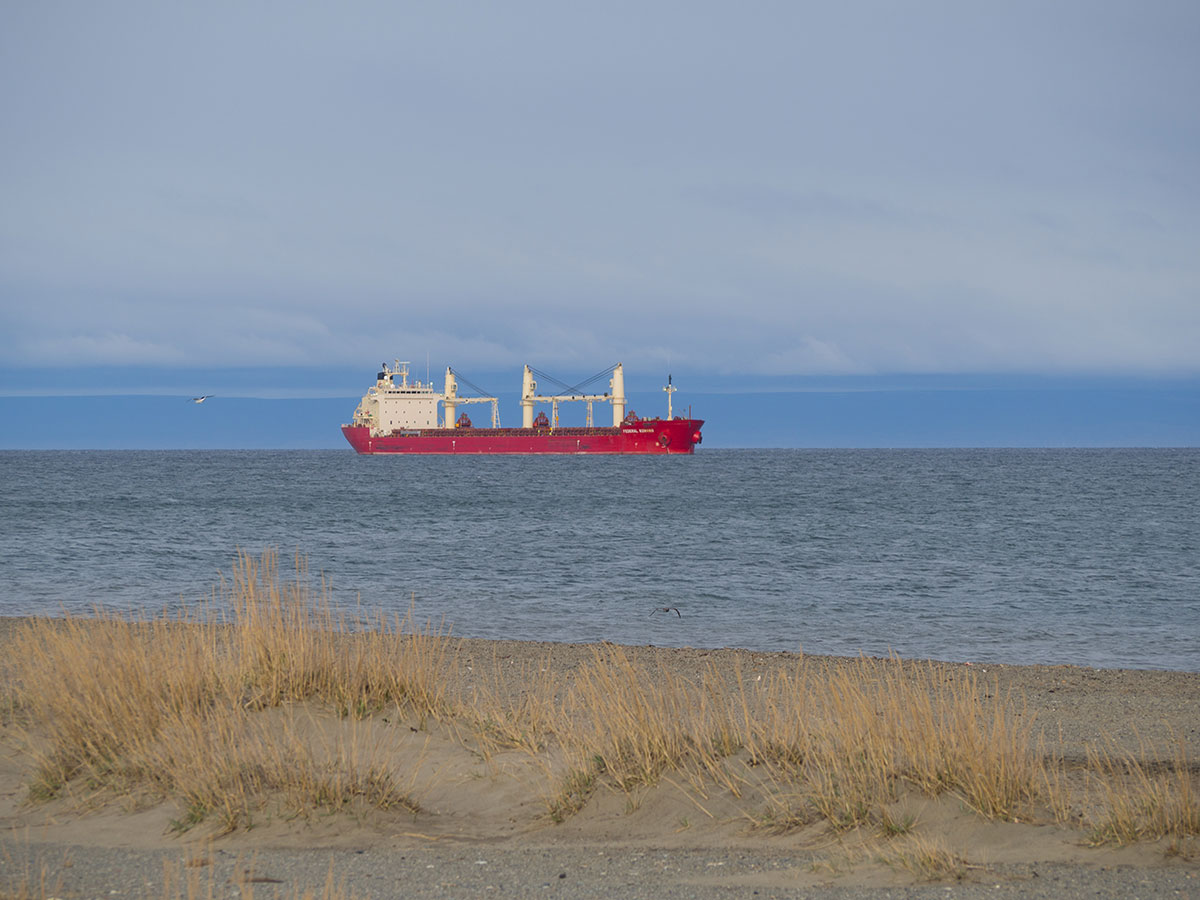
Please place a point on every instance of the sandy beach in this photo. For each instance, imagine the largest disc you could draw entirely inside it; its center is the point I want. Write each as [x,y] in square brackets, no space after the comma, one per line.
[481,826]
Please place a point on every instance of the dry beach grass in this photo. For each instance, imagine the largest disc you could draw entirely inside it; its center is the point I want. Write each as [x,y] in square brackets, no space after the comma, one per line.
[290,725]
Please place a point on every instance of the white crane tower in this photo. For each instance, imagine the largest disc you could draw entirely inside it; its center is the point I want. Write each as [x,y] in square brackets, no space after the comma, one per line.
[451,401]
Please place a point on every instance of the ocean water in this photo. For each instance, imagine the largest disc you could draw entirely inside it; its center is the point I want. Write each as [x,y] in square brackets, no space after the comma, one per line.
[1087,557]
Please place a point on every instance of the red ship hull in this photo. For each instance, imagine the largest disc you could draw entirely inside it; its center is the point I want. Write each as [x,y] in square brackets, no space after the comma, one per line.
[647,436]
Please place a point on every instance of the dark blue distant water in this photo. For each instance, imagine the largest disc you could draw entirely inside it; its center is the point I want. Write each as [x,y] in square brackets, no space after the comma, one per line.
[1088,557]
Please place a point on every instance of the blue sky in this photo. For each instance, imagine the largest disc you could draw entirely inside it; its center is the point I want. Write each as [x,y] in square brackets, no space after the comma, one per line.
[200,197]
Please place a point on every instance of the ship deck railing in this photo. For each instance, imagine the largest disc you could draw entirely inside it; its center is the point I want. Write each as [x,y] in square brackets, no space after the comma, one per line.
[576,430]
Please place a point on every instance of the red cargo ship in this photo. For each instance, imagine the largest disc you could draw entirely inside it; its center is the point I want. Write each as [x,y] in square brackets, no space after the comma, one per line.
[403,417]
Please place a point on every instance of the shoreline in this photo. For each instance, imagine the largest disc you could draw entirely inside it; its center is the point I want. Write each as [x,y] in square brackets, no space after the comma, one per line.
[9,621]
[1081,703]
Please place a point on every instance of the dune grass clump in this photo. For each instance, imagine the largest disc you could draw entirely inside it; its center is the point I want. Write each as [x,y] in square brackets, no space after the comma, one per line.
[831,742]
[632,724]
[287,644]
[1141,799]
[100,688]
[501,718]
[168,705]
[928,859]
[840,742]
[224,770]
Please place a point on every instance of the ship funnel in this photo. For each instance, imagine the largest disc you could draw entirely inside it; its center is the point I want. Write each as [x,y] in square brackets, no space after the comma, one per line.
[528,391]
[616,387]
[450,397]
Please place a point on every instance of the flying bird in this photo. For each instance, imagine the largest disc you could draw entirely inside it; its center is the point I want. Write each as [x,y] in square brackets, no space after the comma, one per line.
[200,399]
[667,609]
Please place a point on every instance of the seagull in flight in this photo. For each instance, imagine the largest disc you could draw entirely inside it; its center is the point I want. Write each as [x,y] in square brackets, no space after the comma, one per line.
[668,609]
[200,399]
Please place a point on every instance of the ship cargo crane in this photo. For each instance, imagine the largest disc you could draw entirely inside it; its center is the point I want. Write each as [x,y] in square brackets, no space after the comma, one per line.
[451,400]
[616,395]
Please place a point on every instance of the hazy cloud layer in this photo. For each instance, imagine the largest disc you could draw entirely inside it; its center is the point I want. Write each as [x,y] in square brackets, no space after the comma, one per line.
[771,188]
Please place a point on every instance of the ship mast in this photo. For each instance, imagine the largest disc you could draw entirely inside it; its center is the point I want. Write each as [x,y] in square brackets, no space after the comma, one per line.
[670,389]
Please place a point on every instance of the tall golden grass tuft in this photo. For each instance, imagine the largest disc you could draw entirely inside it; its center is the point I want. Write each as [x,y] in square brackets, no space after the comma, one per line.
[841,740]
[102,686]
[948,732]
[832,742]
[290,645]
[627,723]
[1141,799]
[168,704]
[502,719]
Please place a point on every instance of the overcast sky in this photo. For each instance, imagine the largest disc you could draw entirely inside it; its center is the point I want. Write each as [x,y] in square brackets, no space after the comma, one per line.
[750,188]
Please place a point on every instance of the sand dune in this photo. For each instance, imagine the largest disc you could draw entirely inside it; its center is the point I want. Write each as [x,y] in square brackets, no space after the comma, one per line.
[469,801]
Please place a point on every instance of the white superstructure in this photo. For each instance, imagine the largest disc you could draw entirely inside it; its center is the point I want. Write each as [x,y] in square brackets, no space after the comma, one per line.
[388,407]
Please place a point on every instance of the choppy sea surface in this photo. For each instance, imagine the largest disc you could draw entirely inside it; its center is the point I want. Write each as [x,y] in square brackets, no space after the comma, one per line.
[1088,557]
